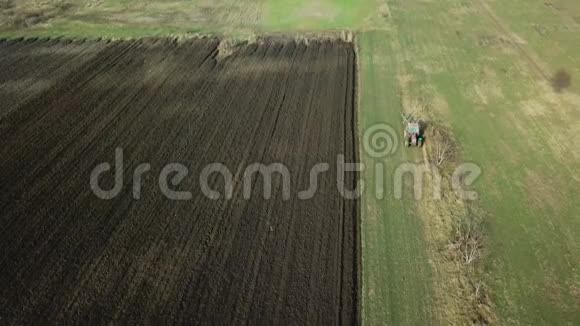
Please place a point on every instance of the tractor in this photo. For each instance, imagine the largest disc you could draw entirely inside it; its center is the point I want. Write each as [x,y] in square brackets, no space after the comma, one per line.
[413,133]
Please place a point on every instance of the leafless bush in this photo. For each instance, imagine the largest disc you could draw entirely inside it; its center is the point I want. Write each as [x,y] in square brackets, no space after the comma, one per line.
[6,4]
[347,36]
[467,241]
[226,48]
[24,15]
[483,303]
[466,248]
[444,145]
[477,289]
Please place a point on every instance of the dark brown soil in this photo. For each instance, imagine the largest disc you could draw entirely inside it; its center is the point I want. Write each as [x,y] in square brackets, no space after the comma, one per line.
[69,256]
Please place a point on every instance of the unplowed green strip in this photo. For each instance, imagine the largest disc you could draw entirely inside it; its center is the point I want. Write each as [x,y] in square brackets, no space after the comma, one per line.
[397,285]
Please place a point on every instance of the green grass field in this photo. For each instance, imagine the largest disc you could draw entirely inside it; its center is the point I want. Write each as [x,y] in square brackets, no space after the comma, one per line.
[484,68]
[487,63]
[397,282]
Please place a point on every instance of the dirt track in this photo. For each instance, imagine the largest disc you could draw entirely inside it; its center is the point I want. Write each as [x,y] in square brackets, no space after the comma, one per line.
[68,255]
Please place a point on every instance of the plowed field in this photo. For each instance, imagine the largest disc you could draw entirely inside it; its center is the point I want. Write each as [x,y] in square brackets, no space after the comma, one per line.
[67,255]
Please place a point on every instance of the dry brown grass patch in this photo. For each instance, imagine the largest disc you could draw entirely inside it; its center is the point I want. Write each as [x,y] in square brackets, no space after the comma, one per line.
[26,14]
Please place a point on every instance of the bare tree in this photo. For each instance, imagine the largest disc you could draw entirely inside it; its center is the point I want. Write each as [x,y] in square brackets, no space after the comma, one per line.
[470,250]
[443,149]
[468,239]
[444,146]
[470,242]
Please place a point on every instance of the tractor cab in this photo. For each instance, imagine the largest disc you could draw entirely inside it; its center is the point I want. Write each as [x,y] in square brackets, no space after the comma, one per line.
[413,134]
